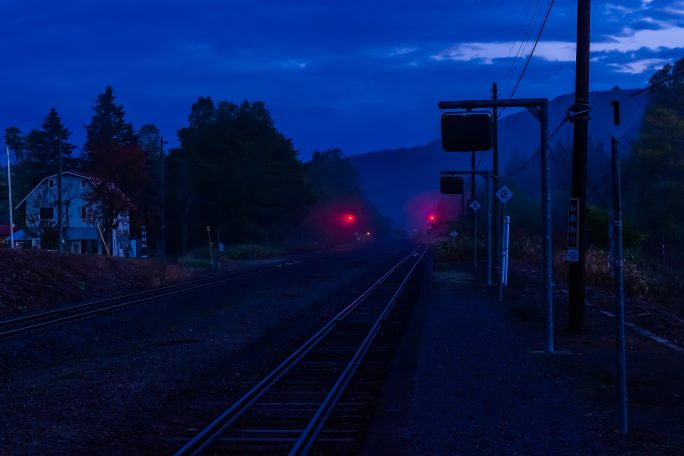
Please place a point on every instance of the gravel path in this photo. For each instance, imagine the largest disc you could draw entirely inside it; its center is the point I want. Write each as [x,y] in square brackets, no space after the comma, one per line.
[469,379]
[481,390]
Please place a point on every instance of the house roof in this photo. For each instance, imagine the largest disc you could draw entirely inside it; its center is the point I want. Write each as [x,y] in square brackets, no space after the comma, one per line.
[90,178]
[94,180]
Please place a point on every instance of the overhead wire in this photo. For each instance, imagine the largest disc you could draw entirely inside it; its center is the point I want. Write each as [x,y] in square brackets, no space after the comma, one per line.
[536,42]
[531,157]
[522,46]
[657,84]
[515,40]
[529,57]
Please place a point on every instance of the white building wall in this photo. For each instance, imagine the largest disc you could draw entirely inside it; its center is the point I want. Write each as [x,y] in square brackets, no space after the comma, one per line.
[74,191]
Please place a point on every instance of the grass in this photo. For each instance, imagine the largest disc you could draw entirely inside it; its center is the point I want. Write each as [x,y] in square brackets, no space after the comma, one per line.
[647,279]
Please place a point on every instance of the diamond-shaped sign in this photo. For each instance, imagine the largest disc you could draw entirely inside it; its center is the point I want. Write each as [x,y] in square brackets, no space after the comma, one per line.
[475,205]
[504,194]
[454,233]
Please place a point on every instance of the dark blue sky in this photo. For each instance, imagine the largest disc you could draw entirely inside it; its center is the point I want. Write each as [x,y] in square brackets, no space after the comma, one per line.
[359,75]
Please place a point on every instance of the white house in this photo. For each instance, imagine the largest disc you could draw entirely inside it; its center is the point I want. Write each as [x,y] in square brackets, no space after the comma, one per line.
[83,232]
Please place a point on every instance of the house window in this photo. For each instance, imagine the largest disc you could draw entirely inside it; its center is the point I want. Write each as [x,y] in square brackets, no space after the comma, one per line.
[51,183]
[47,213]
[83,212]
[83,183]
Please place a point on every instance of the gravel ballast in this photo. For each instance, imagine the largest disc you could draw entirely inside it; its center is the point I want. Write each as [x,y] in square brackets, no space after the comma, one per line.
[472,378]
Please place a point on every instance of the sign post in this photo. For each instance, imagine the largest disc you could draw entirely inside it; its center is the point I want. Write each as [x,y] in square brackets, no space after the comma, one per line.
[143,241]
[475,205]
[573,231]
[539,108]
[489,231]
[487,175]
[211,253]
[504,194]
[453,235]
[504,255]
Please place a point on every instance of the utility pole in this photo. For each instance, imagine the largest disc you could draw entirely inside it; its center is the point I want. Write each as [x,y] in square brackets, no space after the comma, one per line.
[162,201]
[619,270]
[495,178]
[59,187]
[579,115]
[472,193]
[9,188]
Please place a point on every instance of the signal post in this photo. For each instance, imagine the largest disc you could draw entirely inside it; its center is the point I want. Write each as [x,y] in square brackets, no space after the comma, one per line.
[465,132]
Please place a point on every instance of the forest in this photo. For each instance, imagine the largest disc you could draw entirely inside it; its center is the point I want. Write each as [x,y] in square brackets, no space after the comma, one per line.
[230,172]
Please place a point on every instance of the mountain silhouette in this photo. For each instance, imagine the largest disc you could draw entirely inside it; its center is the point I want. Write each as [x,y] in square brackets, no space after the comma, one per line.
[404,183]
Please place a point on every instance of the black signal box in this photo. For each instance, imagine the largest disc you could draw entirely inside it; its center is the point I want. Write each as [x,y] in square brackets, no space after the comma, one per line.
[466,131]
[451,185]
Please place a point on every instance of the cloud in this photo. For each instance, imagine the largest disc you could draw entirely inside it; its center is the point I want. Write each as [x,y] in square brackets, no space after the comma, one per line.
[671,37]
[638,66]
[665,38]
[553,51]
[402,51]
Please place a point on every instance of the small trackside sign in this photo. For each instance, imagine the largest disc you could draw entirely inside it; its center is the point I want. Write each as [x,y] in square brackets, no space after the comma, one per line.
[504,194]
[475,205]
[572,255]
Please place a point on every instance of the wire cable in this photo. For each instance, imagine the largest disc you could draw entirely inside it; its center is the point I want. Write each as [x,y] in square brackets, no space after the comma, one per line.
[515,40]
[536,41]
[657,84]
[531,157]
[529,57]
[523,45]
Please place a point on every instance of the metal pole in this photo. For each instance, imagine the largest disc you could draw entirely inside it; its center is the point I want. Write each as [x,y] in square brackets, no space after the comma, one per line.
[619,275]
[9,189]
[495,172]
[211,253]
[475,236]
[577,270]
[489,232]
[60,212]
[472,189]
[162,201]
[546,209]
[501,256]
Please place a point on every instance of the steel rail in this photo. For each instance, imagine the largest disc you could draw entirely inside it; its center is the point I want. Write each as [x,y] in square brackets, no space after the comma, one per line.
[216,428]
[313,429]
[17,326]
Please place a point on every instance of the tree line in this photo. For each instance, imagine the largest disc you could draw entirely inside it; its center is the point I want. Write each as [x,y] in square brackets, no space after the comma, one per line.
[652,178]
[232,171]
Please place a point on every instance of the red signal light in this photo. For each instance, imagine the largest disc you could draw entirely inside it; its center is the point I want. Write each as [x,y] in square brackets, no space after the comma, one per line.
[349,218]
[431,218]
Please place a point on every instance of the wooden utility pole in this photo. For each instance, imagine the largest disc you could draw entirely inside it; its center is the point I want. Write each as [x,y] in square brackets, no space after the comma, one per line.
[162,199]
[60,211]
[495,178]
[579,115]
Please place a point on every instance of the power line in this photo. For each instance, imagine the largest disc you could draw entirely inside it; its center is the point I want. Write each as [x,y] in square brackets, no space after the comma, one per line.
[523,45]
[515,40]
[529,57]
[657,84]
[536,41]
[531,157]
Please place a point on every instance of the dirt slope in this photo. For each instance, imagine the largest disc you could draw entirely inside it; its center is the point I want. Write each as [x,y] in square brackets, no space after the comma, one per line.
[32,280]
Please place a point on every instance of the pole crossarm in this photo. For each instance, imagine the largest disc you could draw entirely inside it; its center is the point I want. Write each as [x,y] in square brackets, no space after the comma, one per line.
[539,108]
[504,103]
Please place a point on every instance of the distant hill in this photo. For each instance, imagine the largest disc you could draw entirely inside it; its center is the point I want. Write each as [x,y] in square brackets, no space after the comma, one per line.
[404,183]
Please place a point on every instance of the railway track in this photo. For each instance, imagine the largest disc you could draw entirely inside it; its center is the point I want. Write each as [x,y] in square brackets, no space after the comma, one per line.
[19,326]
[317,400]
